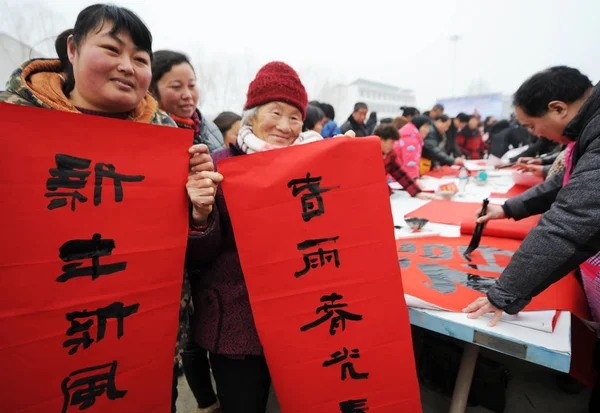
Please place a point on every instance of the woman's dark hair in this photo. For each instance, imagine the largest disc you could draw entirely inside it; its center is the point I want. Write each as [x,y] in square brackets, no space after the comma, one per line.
[162,63]
[419,121]
[60,45]
[328,110]
[463,117]
[314,114]
[486,126]
[360,105]
[562,83]
[93,18]
[443,118]
[499,126]
[409,111]
[226,120]
[387,131]
[467,132]
[399,122]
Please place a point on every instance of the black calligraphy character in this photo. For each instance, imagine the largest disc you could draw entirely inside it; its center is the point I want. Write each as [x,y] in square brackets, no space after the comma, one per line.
[489,254]
[347,367]
[317,259]
[312,202]
[354,406]
[95,248]
[116,311]
[86,388]
[444,279]
[336,315]
[104,170]
[68,174]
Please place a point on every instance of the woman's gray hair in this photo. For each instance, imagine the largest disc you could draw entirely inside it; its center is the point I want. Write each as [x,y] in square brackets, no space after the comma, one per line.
[249,114]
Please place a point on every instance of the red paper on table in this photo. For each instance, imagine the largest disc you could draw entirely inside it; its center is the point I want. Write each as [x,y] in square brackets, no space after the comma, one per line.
[502,228]
[514,191]
[463,214]
[444,171]
[435,271]
[445,212]
[57,266]
[314,231]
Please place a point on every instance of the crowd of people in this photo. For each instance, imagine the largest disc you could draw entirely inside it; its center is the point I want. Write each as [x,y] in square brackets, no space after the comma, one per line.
[106,67]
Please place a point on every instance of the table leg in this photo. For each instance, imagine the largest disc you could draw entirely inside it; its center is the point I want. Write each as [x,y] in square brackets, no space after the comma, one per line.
[464,378]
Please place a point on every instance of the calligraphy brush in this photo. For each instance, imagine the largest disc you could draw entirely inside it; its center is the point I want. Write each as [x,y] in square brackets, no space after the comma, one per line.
[474,244]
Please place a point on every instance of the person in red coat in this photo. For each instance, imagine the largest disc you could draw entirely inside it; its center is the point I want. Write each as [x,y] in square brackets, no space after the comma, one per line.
[223,324]
[470,141]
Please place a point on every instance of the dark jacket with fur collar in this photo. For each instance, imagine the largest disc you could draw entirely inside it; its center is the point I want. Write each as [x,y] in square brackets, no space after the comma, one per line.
[351,124]
[569,231]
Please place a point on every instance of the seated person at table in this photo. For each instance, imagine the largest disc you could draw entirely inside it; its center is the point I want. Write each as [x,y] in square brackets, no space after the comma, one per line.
[470,141]
[538,146]
[545,166]
[389,135]
[435,141]
[410,146]
[561,104]
[457,124]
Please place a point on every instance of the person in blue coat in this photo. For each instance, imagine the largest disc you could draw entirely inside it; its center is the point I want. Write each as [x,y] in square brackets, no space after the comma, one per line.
[330,129]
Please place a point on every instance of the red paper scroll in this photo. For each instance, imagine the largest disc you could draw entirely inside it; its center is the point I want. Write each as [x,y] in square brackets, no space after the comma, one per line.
[444,171]
[445,212]
[512,192]
[503,228]
[463,214]
[314,231]
[130,271]
[434,270]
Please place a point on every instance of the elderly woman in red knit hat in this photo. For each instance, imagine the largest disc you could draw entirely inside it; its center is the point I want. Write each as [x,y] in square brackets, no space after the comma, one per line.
[223,323]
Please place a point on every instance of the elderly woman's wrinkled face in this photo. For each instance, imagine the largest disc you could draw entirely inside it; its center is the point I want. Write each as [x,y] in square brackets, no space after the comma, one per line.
[277,123]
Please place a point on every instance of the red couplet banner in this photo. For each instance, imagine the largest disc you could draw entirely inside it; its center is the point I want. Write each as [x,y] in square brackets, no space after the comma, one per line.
[314,231]
[434,270]
[94,223]
[464,214]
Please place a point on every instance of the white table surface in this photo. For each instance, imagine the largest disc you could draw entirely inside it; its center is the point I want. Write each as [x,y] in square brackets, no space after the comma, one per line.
[532,329]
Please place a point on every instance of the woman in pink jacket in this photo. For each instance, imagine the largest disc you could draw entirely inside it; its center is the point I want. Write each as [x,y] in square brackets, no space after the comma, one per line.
[408,149]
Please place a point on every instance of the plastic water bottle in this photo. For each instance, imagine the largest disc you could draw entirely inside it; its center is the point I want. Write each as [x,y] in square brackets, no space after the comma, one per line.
[463,178]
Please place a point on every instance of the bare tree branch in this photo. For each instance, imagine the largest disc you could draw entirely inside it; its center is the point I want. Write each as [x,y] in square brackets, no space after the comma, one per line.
[27,30]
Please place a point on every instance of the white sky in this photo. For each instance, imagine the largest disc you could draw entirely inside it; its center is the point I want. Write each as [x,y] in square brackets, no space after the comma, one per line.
[405,43]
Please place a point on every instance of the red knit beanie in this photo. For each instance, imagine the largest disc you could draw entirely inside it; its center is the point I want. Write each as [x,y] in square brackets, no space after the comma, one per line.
[276,81]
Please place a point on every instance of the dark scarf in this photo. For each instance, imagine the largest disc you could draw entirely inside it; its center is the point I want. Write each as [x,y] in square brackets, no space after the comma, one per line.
[469,133]
[360,130]
[115,115]
[354,123]
[420,120]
